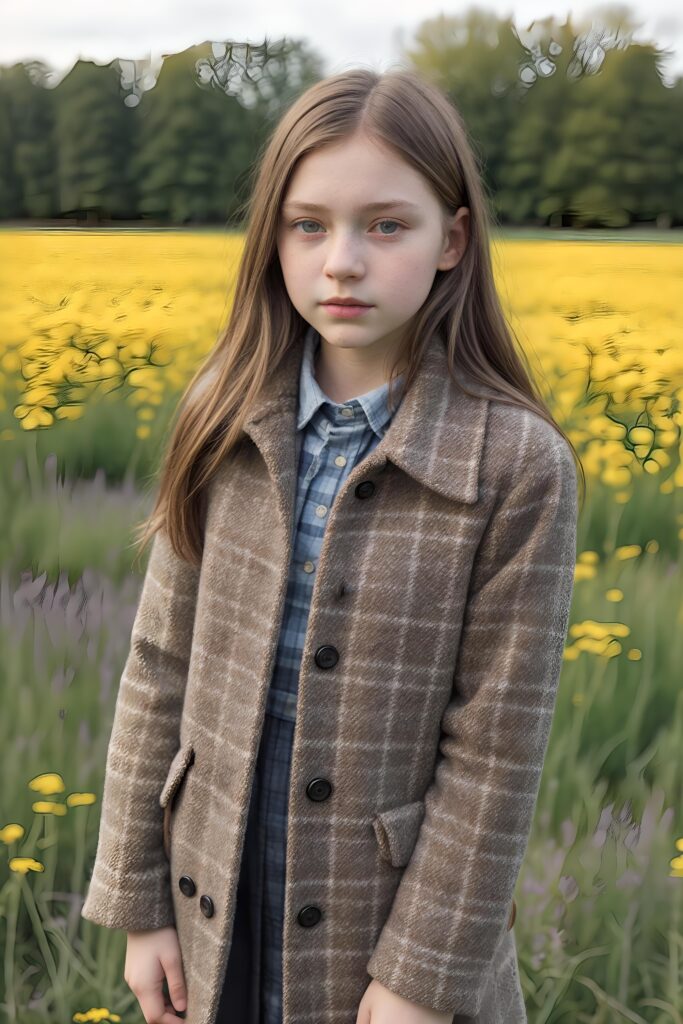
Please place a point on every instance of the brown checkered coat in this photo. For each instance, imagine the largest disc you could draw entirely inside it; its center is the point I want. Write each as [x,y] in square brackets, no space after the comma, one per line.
[446,592]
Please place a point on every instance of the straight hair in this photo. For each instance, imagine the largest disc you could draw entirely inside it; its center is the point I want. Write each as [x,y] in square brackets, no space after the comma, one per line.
[404,111]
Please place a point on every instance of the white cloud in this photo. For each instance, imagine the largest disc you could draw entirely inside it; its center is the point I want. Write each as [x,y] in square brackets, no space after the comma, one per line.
[345,34]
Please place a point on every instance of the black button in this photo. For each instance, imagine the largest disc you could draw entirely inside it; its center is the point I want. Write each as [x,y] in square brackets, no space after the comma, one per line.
[308,916]
[206,906]
[365,489]
[326,656]
[186,885]
[318,789]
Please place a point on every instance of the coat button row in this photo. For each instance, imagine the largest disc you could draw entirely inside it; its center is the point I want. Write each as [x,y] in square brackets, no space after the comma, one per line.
[188,888]
[317,789]
[326,656]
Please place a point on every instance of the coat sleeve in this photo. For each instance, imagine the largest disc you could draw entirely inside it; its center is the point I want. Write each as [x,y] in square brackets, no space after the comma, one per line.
[453,901]
[130,883]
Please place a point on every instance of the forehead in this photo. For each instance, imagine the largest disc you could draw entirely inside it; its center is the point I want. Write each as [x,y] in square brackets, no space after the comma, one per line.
[379,204]
[355,174]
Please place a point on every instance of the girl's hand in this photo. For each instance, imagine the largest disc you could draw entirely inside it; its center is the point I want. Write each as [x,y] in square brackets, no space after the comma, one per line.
[152,956]
[381,1006]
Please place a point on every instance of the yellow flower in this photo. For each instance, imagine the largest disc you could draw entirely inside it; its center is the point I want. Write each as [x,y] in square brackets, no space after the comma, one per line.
[38,418]
[24,864]
[70,412]
[49,807]
[48,783]
[10,833]
[628,551]
[641,435]
[79,799]
[598,630]
[142,376]
[99,1013]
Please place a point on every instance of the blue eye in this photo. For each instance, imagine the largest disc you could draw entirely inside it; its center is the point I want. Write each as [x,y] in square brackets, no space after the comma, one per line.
[390,222]
[304,222]
[298,223]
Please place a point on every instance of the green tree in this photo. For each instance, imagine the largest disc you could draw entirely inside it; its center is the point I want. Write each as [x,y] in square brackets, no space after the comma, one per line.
[93,127]
[27,182]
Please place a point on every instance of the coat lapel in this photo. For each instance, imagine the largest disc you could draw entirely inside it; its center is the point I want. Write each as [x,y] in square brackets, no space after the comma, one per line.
[436,434]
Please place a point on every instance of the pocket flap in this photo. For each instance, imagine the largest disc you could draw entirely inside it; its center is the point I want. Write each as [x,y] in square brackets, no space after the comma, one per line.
[179,765]
[396,831]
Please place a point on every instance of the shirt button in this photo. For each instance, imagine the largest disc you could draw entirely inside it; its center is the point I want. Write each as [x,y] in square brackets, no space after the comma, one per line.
[320,511]
[308,566]
[347,411]
[340,460]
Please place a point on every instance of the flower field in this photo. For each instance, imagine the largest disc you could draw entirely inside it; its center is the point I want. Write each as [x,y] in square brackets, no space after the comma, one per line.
[99,331]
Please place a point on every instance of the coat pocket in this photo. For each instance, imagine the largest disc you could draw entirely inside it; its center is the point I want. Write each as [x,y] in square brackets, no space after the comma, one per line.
[182,760]
[396,831]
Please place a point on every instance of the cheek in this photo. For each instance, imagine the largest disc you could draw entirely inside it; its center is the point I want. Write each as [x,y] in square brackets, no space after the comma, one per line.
[293,267]
[409,278]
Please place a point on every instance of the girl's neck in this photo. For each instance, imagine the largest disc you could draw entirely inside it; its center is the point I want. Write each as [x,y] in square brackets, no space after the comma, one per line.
[343,378]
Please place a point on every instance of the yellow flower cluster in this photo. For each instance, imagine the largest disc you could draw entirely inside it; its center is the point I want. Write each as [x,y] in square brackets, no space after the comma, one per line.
[138,311]
[599,323]
[47,784]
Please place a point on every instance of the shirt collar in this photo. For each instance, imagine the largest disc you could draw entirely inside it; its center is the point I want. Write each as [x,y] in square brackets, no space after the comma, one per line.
[312,397]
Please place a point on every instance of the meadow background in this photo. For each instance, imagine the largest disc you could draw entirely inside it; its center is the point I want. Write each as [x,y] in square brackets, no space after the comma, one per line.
[100,329]
[98,341]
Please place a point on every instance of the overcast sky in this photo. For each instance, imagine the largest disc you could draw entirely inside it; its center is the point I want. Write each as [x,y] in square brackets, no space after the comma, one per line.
[344,33]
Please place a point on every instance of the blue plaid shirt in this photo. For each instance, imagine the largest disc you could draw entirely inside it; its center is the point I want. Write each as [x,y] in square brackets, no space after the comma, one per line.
[331,439]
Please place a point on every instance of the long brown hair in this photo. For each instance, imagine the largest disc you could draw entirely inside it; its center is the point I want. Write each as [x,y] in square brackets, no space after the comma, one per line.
[406,112]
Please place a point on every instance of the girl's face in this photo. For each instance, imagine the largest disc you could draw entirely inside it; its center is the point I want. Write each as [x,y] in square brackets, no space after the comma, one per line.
[332,244]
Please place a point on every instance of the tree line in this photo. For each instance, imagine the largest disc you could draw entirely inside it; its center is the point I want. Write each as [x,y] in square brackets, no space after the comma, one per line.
[573,124]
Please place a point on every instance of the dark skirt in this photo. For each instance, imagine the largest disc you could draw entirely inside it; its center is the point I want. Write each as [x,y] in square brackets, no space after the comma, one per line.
[252,992]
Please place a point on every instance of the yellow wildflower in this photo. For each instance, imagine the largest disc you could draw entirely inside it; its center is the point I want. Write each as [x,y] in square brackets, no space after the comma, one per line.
[10,833]
[48,783]
[24,864]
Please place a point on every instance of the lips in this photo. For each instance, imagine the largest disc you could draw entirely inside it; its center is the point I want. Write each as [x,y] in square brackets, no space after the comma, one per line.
[345,302]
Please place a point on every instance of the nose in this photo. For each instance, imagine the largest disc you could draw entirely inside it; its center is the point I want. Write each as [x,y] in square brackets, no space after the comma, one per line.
[343,255]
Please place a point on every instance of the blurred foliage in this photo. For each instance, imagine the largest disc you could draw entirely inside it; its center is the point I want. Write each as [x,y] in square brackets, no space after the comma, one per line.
[573,122]
[117,141]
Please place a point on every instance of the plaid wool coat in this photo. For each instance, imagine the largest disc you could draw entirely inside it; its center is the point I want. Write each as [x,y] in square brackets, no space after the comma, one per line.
[426,693]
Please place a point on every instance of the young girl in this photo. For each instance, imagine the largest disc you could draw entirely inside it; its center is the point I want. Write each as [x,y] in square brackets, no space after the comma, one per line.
[333,718]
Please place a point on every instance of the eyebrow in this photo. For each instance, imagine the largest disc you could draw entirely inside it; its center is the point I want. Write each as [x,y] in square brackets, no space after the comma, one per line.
[383,204]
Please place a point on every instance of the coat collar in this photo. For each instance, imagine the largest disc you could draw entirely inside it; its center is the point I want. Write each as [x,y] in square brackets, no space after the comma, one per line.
[436,434]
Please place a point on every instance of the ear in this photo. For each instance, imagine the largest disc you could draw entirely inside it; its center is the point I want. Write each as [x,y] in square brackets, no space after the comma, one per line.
[456,239]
